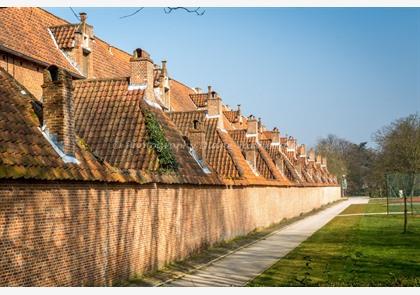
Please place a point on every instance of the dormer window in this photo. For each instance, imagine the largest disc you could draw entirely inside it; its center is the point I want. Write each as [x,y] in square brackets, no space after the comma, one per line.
[85,63]
[85,43]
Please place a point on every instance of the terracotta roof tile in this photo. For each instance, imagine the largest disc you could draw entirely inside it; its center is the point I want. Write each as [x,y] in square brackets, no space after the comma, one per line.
[25,153]
[33,33]
[199,99]
[64,35]
[110,118]
[31,37]
[180,97]
[217,157]
[232,116]
[264,163]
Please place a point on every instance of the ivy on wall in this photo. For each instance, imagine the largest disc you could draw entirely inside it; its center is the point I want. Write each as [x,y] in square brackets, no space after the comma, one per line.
[157,140]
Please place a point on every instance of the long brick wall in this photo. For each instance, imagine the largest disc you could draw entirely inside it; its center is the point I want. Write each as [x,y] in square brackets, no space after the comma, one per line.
[78,234]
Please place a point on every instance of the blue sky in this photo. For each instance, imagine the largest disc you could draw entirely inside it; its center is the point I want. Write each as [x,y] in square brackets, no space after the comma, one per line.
[308,71]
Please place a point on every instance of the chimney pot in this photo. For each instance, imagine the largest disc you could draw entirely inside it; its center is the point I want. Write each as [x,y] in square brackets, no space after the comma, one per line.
[164,70]
[83,17]
[252,126]
[142,72]
[214,108]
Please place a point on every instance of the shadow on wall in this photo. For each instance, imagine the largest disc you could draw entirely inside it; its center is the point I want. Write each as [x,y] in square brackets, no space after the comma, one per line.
[78,234]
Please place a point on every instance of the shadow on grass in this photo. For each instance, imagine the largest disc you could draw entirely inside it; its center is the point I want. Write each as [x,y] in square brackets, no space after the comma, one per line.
[352,251]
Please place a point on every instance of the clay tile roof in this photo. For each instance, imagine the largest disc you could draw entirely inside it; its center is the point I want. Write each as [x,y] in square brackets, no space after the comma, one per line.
[266,135]
[180,97]
[32,39]
[25,31]
[110,118]
[217,156]
[109,61]
[64,35]
[232,116]
[200,99]
[264,163]
[25,153]
[275,153]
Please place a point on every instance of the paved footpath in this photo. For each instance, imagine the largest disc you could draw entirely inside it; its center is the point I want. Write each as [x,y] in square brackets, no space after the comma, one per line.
[243,265]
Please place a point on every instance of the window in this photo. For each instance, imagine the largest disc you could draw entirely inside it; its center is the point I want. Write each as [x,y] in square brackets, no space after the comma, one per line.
[196,124]
[85,63]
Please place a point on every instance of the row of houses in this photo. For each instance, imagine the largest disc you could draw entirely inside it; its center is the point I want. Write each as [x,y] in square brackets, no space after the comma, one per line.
[90,97]
[77,112]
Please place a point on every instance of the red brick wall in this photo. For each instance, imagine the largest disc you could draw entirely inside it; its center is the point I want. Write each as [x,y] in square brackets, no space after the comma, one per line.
[78,234]
[27,73]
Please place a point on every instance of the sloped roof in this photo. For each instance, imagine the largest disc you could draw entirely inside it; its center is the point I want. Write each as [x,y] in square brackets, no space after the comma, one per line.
[232,116]
[24,151]
[110,118]
[216,154]
[180,97]
[264,163]
[64,35]
[25,31]
[199,99]
[31,38]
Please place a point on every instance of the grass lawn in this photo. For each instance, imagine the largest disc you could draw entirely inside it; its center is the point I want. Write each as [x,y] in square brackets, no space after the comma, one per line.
[353,251]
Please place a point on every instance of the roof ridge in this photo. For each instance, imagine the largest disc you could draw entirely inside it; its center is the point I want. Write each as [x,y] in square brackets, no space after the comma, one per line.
[189,87]
[186,112]
[101,79]
[69,23]
[52,14]
[64,25]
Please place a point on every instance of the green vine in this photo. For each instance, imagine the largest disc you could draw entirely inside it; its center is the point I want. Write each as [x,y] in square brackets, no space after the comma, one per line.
[157,140]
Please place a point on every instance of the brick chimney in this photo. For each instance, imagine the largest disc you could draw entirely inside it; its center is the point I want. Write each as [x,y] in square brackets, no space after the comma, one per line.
[215,107]
[311,157]
[164,89]
[197,137]
[275,137]
[82,51]
[301,161]
[142,73]
[58,109]
[260,125]
[252,129]
[302,151]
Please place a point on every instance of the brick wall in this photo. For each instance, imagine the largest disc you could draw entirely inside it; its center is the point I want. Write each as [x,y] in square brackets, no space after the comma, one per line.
[27,73]
[77,234]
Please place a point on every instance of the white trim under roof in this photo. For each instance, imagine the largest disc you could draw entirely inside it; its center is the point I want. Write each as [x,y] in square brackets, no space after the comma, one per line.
[212,117]
[66,158]
[141,86]
[73,63]
[200,163]
[152,104]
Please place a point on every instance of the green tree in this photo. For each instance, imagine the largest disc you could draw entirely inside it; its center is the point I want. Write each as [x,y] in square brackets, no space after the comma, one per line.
[399,152]
[334,148]
[399,145]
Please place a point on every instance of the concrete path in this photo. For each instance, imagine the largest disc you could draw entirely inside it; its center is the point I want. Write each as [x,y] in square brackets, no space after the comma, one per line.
[243,265]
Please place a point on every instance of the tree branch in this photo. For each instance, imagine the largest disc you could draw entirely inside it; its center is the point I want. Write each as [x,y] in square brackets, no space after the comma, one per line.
[134,13]
[196,11]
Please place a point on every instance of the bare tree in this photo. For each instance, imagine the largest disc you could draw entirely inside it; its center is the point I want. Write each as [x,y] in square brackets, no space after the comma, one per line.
[197,11]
